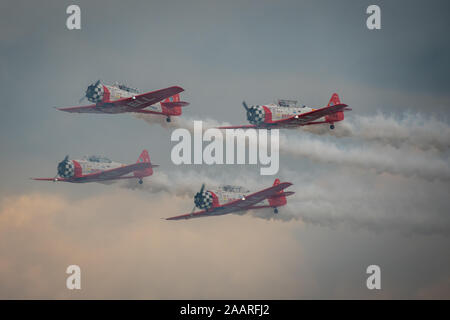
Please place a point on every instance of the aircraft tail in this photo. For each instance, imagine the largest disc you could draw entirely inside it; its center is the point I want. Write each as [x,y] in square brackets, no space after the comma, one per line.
[279,199]
[174,98]
[144,157]
[338,116]
[334,100]
[173,105]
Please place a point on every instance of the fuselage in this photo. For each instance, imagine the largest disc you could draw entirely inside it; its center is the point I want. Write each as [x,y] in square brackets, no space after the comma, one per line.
[208,199]
[109,93]
[102,94]
[261,115]
[76,168]
[277,112]
[229,193]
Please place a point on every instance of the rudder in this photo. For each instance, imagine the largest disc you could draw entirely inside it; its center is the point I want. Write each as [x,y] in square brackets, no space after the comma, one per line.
[334,100]
[144,157]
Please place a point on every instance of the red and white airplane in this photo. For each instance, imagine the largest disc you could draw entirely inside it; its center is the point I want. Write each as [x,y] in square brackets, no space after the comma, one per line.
[228,199]
[119,98]
[286,114]
[99,169]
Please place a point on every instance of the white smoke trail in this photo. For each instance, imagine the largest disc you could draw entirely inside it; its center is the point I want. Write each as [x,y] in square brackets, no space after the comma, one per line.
[179,122]
[334,199]
[181,184]
[407,162]
[415,130]
[377,204]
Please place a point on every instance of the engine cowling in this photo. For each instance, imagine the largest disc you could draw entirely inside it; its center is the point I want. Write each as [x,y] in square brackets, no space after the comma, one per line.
[95,92]
[204,200]
[256,115]
[66,169]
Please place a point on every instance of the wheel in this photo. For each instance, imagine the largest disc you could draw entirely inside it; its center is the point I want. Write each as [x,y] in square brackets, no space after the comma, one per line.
[332,127]
[275,210]
[140,181]
[168,119]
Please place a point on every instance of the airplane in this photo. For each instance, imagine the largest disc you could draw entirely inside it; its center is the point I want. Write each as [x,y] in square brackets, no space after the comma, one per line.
[228,199]
[286,114]
[99,169]
[118,98]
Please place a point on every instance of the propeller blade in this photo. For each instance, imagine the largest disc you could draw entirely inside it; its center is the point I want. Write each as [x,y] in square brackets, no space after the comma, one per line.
[245,105]
[203,187]
[82,98]
[66,158]
[97,83]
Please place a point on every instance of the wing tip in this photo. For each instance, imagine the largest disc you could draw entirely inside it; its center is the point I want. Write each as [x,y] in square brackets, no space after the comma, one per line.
[177,87]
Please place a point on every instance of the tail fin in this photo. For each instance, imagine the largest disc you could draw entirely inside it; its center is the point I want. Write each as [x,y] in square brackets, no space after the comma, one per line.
[144,157]
[334,100]
[337,116]
[279,199]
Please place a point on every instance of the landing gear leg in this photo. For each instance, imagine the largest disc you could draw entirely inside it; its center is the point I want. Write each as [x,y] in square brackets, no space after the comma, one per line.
[140,181]
[332,127]
[275,210]
[168,119]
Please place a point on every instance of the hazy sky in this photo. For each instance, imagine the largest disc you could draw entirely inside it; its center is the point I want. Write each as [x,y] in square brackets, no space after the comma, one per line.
[375,191]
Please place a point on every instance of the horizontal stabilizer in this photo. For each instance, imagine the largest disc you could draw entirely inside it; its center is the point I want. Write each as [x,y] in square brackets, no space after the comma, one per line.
[283,194]
[175,104]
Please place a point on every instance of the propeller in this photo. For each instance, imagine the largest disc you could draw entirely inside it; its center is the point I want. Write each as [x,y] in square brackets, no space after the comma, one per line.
[195,197]
[245,105]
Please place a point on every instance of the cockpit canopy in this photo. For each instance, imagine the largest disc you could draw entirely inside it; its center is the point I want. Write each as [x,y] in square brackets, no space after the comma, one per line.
[230,188]
[126,88]
[96,158]
[287,103]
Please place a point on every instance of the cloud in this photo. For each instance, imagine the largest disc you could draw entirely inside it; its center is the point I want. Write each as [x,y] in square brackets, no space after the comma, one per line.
[126,251]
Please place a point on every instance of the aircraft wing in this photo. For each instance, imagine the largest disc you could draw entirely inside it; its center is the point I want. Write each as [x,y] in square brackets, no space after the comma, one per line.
[49,179]
[110,174]
[113,173]
[245,126]
[198,214]
[236,205]
[307,117]
[131,104]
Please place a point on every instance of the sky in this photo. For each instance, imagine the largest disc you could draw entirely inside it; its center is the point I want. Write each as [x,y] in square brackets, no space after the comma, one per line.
[373,191]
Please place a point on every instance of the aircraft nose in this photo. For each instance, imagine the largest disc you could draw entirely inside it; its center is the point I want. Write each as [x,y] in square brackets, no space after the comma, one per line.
[66,169]
[255,114]
[94,92]
[203,200]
